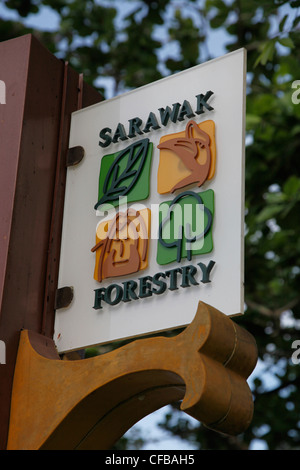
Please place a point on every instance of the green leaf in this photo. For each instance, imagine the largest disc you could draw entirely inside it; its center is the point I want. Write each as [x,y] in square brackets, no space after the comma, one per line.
[252,120]
[123,171]
[275,198]
[282,22]
[268,212]
[267,53]
[287,42]
[292,186]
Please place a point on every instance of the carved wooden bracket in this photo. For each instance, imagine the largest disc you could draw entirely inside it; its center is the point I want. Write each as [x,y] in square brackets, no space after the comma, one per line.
[91,403]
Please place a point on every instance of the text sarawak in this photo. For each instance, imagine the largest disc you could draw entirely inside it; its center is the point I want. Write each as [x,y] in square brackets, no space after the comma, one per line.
[136,126]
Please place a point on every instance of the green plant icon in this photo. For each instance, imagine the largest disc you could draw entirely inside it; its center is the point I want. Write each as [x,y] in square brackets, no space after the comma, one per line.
[185,226]
[125,174]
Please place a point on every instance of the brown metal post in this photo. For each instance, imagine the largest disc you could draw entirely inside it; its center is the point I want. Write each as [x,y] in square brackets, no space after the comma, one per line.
[41,93]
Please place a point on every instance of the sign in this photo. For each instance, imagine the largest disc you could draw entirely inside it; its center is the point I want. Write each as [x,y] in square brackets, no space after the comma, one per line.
[154,212]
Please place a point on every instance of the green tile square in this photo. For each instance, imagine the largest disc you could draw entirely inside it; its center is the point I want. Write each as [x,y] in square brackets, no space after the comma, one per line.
[187,204]
[125,174]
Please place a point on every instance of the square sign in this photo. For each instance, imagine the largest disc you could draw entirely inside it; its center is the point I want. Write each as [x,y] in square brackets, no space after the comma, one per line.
[154,212]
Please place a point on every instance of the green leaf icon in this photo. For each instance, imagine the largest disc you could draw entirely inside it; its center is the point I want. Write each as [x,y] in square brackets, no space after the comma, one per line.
[125,173]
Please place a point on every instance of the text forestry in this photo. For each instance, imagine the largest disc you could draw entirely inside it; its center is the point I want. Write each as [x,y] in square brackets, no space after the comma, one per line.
[146,286]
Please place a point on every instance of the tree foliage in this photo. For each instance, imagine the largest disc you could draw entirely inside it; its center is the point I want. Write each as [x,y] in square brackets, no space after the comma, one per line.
[136,42]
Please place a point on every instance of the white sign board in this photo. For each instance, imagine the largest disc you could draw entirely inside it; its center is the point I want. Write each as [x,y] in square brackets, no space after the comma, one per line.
[154,213]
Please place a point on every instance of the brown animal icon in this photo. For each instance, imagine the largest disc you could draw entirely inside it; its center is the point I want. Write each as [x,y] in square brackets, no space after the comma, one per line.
[188,149]
[112,245]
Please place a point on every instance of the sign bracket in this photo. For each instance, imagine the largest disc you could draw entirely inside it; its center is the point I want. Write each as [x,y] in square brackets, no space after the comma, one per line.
[74,155]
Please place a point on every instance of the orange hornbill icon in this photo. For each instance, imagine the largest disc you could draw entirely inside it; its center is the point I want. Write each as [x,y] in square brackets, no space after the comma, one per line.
[194,150]
[188,149]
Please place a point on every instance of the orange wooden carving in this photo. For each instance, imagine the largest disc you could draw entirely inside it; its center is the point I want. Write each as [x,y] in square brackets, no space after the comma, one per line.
[90,403]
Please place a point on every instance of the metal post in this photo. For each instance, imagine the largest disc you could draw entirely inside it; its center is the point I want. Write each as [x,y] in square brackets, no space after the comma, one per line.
[41,93]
